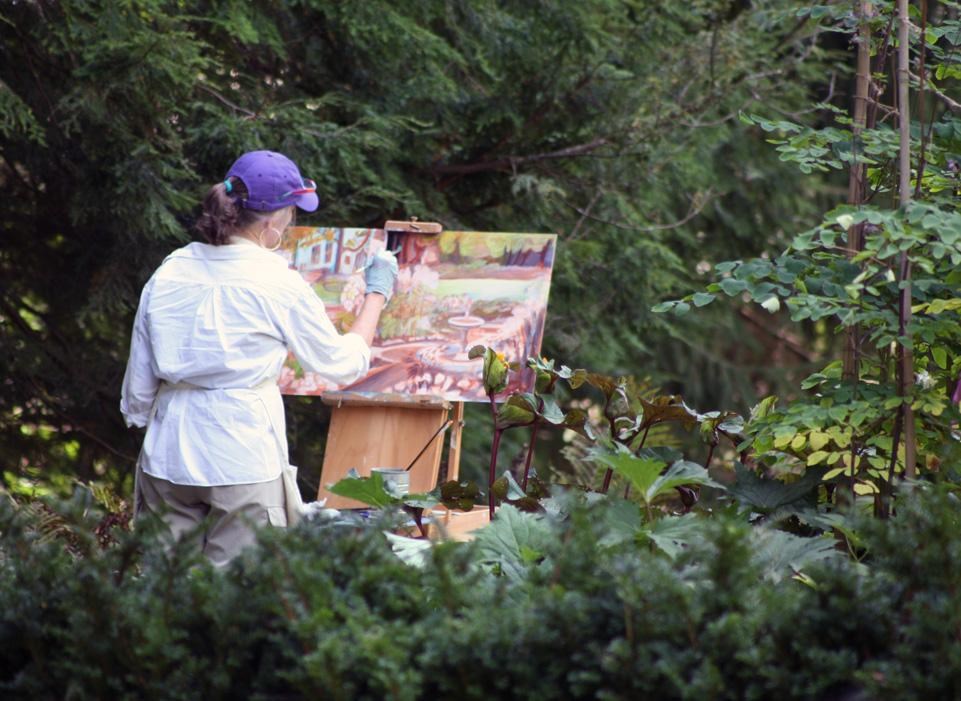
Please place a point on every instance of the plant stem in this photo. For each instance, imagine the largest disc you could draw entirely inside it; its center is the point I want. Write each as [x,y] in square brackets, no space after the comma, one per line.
[710,455]
[610,471]
[627,489]
[607,480]
[495,444]
[887,486]
[530,455]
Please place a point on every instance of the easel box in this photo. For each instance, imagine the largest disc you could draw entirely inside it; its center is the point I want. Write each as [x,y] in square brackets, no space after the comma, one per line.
[368,432]
[451,524]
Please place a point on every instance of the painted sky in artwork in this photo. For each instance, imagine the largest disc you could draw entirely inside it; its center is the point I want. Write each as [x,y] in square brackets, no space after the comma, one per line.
[455,290]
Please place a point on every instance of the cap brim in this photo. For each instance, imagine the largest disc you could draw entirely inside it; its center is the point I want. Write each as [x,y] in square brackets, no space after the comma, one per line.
[308,201]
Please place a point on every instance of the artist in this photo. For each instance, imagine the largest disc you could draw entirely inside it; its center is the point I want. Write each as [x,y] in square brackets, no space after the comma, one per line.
[213,329]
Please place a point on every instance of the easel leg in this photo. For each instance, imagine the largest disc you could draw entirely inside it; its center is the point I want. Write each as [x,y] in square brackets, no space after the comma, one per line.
[453,456]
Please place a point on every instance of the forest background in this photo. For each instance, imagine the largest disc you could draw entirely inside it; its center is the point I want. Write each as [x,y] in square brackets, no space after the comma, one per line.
[621,126]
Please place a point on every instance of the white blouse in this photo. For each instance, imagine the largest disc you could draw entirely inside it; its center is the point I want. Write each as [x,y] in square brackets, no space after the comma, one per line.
[214,326]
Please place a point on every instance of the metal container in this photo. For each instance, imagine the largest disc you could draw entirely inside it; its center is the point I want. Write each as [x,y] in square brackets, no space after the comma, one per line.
[396,479]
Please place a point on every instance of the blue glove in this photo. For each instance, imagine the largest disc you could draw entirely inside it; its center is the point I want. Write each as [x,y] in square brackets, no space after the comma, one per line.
[381,273]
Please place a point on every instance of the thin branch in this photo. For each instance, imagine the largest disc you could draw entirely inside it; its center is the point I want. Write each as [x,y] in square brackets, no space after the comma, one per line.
[696,208]
[585,214]
[922,79]
[951,104]
[778,335]
[224,100]
[512,162]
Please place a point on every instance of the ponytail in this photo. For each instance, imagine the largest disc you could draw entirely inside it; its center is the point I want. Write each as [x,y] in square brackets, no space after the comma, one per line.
[223,215]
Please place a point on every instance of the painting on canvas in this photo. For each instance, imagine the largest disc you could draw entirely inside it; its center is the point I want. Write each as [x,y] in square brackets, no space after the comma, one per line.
[455,290]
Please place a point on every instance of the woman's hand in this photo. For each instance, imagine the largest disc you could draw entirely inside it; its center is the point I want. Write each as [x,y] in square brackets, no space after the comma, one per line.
[381,274]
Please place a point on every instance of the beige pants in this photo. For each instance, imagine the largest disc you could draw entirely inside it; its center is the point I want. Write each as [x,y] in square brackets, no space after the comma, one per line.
[223,520]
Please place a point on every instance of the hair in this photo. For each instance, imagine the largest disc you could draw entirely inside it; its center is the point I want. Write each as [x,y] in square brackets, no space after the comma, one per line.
[223,216]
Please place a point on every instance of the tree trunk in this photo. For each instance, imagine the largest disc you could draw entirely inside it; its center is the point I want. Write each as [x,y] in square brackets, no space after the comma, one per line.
[856,189]
[906,379]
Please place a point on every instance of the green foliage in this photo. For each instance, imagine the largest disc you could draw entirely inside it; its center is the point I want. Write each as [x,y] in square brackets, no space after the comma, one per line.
[848,272]
[612,125]
[534,609]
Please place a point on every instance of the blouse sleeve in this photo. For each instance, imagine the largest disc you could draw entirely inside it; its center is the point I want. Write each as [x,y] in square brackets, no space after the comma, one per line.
[320,348]
[140,384]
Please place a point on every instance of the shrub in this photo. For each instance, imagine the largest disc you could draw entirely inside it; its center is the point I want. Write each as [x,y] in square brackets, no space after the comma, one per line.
[327,610]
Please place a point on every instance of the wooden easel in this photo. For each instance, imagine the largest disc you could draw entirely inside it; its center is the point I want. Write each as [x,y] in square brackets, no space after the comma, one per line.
[390,430]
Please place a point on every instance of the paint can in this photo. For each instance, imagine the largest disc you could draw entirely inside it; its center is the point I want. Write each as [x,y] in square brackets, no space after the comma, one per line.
[396,479]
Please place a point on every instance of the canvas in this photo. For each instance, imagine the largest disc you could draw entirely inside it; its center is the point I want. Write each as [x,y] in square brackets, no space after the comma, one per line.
[455,290]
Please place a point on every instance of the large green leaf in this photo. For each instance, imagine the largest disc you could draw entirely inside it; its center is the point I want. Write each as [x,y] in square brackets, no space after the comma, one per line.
[621,523]
[642,472]
[683,472]
[413,551]
[766,494]
[673,533]
[782,554]
[369,490]
[513,542]
[374,491]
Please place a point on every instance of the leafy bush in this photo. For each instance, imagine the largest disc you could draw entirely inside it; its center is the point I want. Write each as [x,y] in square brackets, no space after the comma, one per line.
[538,606]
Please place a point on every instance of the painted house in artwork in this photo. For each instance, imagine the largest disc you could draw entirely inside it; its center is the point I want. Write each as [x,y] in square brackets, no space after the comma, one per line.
[333,251]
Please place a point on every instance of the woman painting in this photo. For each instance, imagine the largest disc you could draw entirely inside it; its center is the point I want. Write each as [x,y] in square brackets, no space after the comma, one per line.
[213,329]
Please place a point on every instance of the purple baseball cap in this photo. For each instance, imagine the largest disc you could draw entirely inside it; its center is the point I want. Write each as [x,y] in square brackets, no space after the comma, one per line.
[273,182]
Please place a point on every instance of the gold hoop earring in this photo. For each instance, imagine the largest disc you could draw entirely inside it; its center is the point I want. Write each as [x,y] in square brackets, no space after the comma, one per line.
[280,238]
